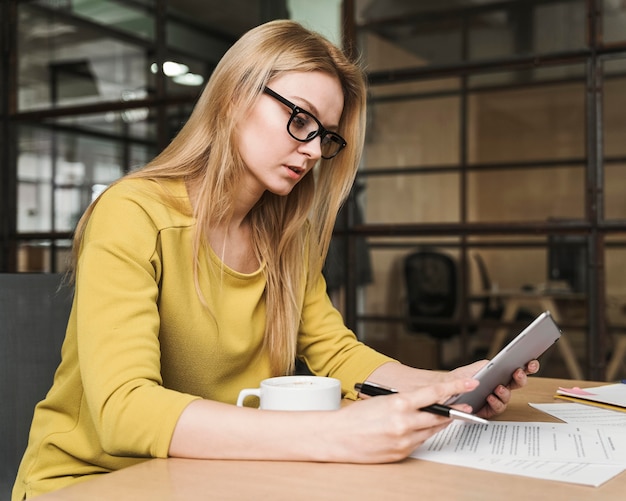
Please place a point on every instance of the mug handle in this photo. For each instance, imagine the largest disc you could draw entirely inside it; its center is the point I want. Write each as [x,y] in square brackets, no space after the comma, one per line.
[248,392]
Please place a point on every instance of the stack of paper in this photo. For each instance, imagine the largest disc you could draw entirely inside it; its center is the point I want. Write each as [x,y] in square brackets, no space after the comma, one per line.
[554,451]
[610,396]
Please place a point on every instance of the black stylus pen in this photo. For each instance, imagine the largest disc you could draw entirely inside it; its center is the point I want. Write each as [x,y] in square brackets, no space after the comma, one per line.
[373,390]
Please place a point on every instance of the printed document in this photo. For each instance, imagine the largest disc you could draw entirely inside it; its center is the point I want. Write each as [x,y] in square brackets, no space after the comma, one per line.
[574,413]
[556,451]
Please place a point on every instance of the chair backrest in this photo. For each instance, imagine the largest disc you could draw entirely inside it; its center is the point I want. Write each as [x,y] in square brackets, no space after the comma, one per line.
[491,307]
[34,309]
[431,281]
[483,272]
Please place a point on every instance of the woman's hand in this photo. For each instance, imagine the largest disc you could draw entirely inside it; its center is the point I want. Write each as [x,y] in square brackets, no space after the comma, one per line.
[405,378]
[499,399]
[388,428]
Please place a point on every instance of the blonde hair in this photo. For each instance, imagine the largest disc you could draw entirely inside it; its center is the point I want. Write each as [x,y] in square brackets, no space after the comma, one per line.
[205,156]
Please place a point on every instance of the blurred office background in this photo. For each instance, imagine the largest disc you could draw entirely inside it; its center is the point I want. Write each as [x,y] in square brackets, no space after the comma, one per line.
[493,174]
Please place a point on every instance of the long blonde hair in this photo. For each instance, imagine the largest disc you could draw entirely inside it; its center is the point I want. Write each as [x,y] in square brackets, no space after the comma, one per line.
[204,154]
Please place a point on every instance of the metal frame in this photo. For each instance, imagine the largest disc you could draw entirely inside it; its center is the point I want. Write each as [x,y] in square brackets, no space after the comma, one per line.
[10,116]
[594,226]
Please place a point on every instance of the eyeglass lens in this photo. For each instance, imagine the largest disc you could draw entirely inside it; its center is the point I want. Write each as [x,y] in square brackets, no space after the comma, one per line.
[304,127]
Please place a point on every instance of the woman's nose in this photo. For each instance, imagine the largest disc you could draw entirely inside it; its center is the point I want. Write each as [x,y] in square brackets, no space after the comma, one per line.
[313,148]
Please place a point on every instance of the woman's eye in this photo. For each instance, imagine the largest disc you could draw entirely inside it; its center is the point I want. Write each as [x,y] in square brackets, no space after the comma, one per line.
[300,121]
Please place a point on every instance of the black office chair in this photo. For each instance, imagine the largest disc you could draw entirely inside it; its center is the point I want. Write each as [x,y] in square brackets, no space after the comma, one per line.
[493,307]
[432,286]
[34,309]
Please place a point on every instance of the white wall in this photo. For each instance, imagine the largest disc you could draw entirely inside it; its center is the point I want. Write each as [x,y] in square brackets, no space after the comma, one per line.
[323,16]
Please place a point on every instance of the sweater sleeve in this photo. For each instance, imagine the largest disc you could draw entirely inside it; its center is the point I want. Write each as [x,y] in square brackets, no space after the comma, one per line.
[328,347]
[117,289]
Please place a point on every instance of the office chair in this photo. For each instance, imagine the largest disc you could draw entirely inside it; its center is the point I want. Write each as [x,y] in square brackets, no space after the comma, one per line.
[432,286]
[493,307]
[34,310]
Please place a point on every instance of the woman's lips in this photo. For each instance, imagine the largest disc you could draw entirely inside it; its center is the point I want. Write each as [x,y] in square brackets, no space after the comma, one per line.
[295,172]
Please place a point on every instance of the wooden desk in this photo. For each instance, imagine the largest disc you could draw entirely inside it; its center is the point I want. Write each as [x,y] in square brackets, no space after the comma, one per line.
[180,479]
[514,301]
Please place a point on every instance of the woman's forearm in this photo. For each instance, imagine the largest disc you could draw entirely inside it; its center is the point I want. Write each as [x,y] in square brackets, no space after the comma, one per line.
[374,430]
[214,430]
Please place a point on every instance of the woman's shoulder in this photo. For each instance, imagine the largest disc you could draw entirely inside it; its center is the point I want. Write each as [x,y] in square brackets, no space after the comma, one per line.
[164,201]
[147,189]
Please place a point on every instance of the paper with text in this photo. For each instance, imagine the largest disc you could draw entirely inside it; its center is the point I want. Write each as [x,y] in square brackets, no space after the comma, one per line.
[556,451]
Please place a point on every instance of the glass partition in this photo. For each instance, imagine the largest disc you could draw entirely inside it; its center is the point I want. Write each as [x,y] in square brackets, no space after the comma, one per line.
[134,18]
[60,172]
[440,34]
[71,64]
[492,122]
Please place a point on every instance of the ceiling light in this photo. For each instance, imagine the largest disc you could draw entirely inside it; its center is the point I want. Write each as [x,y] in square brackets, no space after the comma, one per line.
[170,68]
[192,79]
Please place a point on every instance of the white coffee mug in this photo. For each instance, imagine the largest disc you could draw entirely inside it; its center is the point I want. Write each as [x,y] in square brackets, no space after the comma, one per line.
[296,393]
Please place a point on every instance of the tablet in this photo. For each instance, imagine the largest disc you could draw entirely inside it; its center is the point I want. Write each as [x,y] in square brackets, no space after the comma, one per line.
[528,345]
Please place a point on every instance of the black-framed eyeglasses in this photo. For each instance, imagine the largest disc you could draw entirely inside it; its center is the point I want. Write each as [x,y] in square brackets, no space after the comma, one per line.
[304,127]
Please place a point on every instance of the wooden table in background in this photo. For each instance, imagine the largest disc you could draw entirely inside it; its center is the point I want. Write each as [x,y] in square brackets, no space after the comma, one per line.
[185,479]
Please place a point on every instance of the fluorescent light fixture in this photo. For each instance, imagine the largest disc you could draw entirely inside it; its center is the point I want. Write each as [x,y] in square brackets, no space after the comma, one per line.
[170,68]
[191,79]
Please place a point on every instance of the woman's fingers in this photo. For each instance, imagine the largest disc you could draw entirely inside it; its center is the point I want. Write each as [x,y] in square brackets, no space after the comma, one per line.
[394,424]
[440,392]
[532,367]
[501,396]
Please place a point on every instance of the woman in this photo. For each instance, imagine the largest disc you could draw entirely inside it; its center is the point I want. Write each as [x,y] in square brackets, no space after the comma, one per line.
[200,275]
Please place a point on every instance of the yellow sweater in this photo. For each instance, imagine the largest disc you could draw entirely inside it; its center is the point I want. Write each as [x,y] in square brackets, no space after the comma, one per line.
[140,346]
